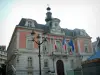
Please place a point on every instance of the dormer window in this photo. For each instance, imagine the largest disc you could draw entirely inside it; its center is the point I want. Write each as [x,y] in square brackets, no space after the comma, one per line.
[29,24]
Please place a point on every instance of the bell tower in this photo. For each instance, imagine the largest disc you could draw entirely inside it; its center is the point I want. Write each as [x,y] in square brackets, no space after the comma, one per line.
[48,15]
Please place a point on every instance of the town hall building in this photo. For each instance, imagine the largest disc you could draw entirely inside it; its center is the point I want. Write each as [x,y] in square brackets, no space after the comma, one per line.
[61,53]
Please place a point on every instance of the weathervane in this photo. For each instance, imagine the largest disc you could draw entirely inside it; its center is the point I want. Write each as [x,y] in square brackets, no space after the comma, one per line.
[48,5]
[48,8]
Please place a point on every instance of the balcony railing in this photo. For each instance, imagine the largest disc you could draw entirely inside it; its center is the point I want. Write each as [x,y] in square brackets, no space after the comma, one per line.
[58,54]
[30,68]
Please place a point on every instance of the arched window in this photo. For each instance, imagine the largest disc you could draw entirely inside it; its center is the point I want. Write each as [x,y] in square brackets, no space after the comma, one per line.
[29,61]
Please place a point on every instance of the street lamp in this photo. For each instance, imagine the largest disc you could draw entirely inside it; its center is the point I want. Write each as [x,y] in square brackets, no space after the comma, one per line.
[39,44]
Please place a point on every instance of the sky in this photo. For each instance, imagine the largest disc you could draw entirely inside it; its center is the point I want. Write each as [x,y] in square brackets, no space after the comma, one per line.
[82,14]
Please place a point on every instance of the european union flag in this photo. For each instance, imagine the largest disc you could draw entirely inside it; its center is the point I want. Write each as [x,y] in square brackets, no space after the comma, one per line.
[64,43]
[70,43]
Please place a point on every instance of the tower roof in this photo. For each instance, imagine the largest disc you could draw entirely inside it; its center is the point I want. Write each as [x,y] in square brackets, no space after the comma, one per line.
[48,14]
[48,8]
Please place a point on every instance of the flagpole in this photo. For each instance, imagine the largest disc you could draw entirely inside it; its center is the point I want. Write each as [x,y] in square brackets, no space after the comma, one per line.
[61,51]
[67,48]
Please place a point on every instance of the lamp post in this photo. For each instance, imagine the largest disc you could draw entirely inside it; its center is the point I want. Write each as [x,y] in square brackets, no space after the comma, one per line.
[39,44]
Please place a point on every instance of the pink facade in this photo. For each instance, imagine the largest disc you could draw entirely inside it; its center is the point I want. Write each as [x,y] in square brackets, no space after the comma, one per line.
[76,46]
[22,39]
[23,34]
[81,45]
[81,42]
[90,46]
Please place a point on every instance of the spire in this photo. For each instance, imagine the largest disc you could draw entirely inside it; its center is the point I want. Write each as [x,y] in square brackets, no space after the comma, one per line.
[48,14]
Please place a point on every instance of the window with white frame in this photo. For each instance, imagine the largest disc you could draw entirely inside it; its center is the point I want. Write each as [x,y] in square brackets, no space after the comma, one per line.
[17,59]
[58,43]
[46,63]
[72,63]
[86,46]
[29,61]
[29,24]
[29,43]
[30,73]
[45,46]
[52,44]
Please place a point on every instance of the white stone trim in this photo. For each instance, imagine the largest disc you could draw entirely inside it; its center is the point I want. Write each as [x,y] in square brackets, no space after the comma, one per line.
[28,28]
[18,39]
[78,42]
[29,38]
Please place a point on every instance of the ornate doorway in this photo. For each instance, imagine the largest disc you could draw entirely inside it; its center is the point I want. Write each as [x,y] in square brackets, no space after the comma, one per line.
[60,67]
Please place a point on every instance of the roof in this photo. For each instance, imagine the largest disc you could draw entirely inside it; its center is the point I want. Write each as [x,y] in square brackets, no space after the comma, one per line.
[38,26]
[95,56]
[68,32]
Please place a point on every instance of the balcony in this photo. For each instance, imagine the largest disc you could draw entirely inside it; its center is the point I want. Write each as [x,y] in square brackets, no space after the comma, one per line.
[4,58]
[46,68]
[1,62]
[29,68]
[58,54]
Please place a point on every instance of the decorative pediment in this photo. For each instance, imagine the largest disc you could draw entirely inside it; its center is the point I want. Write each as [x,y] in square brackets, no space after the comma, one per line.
[55,23]
[55,27]
[56,20]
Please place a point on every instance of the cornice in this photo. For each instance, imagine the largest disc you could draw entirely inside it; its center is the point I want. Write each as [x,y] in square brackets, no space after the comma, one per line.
[29,28]
[57,35]
[91,61]
[78,37]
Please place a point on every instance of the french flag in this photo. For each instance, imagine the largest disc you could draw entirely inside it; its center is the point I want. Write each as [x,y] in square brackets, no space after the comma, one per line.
[64,43]
[55,45]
